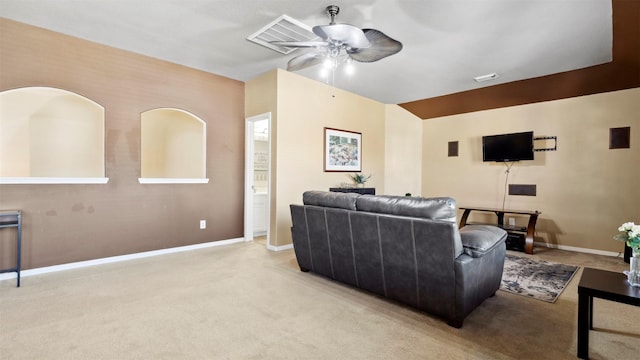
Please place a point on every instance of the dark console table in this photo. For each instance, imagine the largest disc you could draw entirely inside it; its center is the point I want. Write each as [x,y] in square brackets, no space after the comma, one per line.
[362,190]
[602,284]
[9,219]
[526,232]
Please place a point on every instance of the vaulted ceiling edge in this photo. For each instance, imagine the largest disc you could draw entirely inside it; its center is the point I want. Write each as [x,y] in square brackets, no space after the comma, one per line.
[621,73]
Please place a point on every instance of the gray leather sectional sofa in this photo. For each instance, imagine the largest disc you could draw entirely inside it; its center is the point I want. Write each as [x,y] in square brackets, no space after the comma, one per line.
[407,249]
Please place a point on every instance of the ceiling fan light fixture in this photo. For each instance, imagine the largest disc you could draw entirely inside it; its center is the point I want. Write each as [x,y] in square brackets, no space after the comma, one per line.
[362,45]
[488,77]
[349,67]
[330,63]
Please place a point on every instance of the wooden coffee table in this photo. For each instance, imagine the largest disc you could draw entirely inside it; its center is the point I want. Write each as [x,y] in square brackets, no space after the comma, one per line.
[602,284]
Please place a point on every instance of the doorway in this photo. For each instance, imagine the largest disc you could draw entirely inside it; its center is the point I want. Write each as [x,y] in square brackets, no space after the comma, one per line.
[257,178]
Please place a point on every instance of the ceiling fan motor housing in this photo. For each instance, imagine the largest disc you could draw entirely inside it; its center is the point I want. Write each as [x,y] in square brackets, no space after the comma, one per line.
[333,10]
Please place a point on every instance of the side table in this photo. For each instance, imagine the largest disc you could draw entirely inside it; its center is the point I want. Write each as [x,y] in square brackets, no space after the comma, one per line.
[9,219]
[602,284]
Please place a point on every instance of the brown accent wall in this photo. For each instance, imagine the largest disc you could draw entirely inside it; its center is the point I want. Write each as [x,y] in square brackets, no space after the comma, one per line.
[69,223]
[622,73]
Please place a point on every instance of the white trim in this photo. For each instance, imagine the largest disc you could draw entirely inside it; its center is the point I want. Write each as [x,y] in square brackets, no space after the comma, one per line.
[173,181]
[279,248]
[204,149]
[52,180]
[113,259]
[579,249]
[249,176]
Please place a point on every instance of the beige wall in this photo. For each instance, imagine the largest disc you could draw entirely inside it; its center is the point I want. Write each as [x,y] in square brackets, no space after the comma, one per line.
[305,108]
[68,223]
[301,109]
[403,152]
[584,190]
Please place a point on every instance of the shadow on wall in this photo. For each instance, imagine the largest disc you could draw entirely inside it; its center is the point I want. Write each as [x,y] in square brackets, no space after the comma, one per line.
[550,229]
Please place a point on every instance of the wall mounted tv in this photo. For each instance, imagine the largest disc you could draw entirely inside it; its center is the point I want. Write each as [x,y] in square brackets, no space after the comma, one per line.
[508,147]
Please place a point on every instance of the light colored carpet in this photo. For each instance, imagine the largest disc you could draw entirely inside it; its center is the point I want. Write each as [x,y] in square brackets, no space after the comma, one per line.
[535,278]
[243,302]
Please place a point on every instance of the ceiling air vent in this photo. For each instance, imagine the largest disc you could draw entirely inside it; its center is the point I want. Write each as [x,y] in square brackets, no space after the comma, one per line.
[284,28]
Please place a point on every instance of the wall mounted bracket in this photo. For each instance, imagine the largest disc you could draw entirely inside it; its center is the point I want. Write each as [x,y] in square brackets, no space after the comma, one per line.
[555,143]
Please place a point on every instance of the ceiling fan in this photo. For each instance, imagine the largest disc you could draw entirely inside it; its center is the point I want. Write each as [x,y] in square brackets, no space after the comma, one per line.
[341,42]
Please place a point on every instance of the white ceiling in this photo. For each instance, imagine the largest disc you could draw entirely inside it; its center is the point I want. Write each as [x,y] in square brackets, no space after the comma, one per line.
[446,42]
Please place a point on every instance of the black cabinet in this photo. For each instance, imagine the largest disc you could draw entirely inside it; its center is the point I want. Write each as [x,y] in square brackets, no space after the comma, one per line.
[362,191]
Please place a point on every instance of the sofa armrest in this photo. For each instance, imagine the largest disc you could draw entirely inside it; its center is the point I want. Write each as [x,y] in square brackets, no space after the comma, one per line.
[478,240]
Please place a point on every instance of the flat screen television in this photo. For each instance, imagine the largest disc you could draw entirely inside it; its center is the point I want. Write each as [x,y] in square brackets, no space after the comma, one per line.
[508,147]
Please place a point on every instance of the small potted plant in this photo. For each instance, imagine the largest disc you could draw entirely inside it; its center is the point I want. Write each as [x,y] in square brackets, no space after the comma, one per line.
[360,179]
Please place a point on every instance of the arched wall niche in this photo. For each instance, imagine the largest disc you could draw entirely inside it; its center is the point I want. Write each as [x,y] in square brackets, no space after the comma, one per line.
[173,147]
[50,135]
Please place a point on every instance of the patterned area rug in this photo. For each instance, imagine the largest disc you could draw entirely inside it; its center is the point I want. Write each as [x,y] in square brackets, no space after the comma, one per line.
[538,279]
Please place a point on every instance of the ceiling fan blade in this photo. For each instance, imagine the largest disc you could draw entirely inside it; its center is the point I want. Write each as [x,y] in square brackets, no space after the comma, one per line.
[305,60]
[300,43]
[343,33]
[381,47]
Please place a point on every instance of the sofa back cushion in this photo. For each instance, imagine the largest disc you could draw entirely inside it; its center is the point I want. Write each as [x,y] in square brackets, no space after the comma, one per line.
[437,208]
[330,199]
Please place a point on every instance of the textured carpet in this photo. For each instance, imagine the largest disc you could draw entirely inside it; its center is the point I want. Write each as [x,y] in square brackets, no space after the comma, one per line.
[537,279]
[240,301]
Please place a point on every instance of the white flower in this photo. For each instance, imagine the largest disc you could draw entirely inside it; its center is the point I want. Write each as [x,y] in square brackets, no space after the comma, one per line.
[630,234]
[626,226]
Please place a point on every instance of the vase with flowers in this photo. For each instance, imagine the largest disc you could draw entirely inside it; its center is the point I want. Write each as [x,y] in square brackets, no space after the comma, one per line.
[630,234]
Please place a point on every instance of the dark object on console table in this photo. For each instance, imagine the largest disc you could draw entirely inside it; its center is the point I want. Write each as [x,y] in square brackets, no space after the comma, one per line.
[361,191]
[627,253]
[407,249]
[514,231]
[515,241]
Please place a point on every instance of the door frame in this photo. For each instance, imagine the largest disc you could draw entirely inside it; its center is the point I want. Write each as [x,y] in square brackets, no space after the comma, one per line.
[249,176]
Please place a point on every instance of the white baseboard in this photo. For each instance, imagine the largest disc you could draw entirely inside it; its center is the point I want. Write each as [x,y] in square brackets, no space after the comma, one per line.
[112,259]
[280,248]
[579,249]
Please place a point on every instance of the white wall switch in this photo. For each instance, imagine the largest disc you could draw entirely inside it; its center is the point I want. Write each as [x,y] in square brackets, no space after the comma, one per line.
[512,221]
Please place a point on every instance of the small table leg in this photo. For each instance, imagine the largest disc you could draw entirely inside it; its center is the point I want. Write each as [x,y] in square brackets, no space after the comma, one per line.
[19,248]
[585,316]
[590,312]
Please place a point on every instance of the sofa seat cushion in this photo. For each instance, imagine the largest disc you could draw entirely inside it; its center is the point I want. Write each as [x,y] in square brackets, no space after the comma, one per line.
[437,208]
[477,240]
[330,199]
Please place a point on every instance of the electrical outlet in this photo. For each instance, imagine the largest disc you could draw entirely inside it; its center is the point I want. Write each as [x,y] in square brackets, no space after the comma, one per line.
[512,221]
[203,224]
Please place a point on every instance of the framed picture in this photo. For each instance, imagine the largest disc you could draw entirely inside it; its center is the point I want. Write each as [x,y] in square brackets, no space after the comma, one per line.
[342,150]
